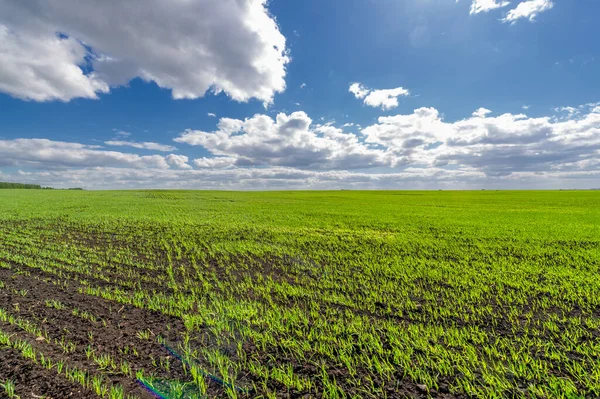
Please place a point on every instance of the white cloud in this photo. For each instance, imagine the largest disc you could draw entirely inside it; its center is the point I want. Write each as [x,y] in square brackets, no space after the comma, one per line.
[251,179]
[303,85]
[212,114]
[498,146]
[289,140]
[287,178]
[486,5]
[358,90]
[386,98]
[43,68]
[143,146]
[47,154]
[407,136]
[416,150]
[178,161]
[482,112]
[215,163]
[528,9]
[189,47]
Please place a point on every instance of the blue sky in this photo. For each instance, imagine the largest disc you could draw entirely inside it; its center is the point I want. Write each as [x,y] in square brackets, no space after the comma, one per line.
[480,94]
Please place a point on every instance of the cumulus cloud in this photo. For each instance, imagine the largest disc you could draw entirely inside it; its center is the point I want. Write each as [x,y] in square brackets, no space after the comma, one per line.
[502,145]
[497,146]
[528,9]
[178,161]
[143,146]
[48,48]
[481,112]
[43,68]
[358,90]
[406,137]
[385,99]
[415,150]
[287,140]
[486,5]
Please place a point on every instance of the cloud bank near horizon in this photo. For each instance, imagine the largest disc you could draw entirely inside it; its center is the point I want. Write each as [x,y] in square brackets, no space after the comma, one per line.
[419,149]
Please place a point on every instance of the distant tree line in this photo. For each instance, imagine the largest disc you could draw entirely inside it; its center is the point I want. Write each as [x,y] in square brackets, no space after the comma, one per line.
[30,186]
[20,185]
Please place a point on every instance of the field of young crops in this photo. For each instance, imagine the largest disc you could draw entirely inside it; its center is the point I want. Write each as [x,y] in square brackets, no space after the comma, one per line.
[181,294]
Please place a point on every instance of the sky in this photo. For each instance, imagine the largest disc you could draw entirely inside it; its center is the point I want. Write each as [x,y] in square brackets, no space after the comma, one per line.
[311,94]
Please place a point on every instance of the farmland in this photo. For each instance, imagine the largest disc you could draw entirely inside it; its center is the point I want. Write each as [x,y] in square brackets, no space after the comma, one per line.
[391,294]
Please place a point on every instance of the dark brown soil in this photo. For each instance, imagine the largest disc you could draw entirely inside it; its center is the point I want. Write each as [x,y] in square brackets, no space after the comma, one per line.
[32,380]
[114,333]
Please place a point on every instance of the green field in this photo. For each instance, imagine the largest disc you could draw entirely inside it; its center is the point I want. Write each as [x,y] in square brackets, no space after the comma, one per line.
[389,294]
